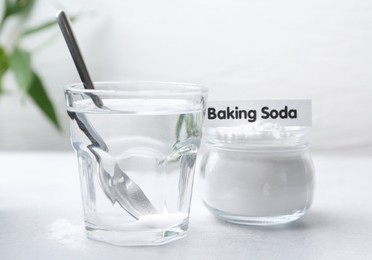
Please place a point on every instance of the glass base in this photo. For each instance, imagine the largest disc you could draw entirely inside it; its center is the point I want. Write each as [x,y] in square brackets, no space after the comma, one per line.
[138,238]
[256,220]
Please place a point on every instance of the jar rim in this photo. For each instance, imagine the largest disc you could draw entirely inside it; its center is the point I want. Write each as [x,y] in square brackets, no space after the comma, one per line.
[236,136]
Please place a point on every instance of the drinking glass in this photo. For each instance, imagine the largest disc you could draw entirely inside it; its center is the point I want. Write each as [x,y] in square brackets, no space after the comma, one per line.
[136,144]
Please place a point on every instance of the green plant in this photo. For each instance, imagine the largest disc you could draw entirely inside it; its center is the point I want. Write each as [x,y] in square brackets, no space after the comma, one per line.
[16,60]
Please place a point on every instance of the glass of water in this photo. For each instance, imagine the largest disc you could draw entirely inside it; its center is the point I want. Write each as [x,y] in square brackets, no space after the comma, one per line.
[136,144]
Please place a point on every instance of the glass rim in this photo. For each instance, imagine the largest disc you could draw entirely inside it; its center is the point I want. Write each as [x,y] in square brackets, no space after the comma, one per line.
[138,88]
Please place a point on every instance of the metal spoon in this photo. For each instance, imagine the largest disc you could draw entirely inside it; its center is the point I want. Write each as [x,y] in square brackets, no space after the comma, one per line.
[118,187]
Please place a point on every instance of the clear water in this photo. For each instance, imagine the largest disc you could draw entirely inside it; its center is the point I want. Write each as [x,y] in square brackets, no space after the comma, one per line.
[157,150]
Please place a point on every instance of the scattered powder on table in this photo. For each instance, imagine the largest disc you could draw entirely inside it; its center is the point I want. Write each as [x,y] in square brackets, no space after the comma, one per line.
[64,232]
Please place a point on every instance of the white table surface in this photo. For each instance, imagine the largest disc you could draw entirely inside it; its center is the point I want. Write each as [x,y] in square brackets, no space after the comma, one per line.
[41,218]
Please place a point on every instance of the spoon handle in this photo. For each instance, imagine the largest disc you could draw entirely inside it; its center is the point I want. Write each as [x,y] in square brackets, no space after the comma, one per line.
[64,24]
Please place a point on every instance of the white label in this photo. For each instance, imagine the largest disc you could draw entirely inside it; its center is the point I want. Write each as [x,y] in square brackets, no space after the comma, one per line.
[240,112]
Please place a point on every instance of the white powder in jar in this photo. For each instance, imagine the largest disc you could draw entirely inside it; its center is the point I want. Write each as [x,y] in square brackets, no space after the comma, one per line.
[257,171]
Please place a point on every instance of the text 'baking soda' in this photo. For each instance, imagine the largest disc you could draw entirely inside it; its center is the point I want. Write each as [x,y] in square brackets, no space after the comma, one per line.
[250,115]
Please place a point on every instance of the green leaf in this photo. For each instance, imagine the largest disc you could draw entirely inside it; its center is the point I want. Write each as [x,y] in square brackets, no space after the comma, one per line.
[4,62]
[40,97]
[15,7]
[39,27]
[43,26]
[4,65]
[20,64]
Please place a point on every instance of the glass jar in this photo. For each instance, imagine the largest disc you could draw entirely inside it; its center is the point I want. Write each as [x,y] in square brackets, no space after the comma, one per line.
[258,174]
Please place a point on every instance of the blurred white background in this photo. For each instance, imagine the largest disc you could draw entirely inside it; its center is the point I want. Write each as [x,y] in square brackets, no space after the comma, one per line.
[316,49]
